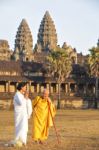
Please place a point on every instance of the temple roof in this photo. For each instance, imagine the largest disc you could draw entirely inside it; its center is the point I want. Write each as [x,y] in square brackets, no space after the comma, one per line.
[24,22]
[4,44]
[20,66]
[34,67]
[65,45]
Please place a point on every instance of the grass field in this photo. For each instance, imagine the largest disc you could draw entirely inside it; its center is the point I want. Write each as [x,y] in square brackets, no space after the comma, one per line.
[78,130]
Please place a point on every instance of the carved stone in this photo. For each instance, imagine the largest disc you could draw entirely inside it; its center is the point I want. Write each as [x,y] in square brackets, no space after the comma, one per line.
[47,36]
[5,52]
[23,43]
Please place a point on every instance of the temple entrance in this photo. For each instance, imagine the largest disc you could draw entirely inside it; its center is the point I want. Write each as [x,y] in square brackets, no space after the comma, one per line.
[72,87]
[62,87]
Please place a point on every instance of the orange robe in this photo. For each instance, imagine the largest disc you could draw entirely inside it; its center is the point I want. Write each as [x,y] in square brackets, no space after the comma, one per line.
[43,112]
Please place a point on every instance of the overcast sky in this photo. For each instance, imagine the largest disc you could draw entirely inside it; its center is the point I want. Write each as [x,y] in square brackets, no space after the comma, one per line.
[76,21]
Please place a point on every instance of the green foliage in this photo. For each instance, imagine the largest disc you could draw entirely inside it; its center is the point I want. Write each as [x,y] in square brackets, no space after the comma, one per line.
[59,64]
[93,60]
[94,55]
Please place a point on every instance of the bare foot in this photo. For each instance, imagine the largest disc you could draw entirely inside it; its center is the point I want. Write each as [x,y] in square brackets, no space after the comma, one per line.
[41,142]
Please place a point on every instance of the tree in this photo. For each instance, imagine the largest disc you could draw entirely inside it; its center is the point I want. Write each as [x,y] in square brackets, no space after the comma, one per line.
[59,67]
[94,67]
[94,56]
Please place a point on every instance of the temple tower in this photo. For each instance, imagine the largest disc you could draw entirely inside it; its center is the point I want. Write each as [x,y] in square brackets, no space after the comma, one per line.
[23,43]
[47,37]
[5,52]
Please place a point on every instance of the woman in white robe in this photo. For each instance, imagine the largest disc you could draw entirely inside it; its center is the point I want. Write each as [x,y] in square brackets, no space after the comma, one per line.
[21,116]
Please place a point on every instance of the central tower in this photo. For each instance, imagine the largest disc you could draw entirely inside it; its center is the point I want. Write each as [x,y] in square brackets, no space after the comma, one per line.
[47,37]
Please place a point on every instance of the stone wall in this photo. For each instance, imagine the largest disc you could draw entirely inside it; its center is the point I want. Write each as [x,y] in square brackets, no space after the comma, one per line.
[70,103]
[64,104]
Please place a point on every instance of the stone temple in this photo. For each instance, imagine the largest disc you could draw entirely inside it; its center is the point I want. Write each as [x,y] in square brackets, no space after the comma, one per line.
[26,64]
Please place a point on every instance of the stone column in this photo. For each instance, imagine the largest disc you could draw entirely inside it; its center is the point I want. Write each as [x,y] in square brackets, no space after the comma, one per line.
[94,90]
[32,88]
[56,88]
[48,86]
[38,88]
[27,86]
[66,88]
[76,88]
[7,86]
[51,89]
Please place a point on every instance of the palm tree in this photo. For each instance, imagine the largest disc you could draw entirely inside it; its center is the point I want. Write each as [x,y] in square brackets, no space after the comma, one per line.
[94,67]
[59,66]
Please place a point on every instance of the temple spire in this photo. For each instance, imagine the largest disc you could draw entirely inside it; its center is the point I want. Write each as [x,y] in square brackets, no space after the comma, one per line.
[23,41]
[47,36]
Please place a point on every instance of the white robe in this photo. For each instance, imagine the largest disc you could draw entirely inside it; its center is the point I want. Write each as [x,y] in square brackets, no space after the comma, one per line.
[29,107]
[21,117]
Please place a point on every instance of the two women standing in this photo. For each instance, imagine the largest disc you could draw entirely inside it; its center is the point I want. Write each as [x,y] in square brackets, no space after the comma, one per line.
[43,112]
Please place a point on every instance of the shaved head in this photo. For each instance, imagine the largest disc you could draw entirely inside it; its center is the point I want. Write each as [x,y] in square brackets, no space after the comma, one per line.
[45,93]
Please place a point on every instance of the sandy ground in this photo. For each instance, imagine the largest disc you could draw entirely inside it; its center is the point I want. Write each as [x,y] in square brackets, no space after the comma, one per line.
[77,130]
